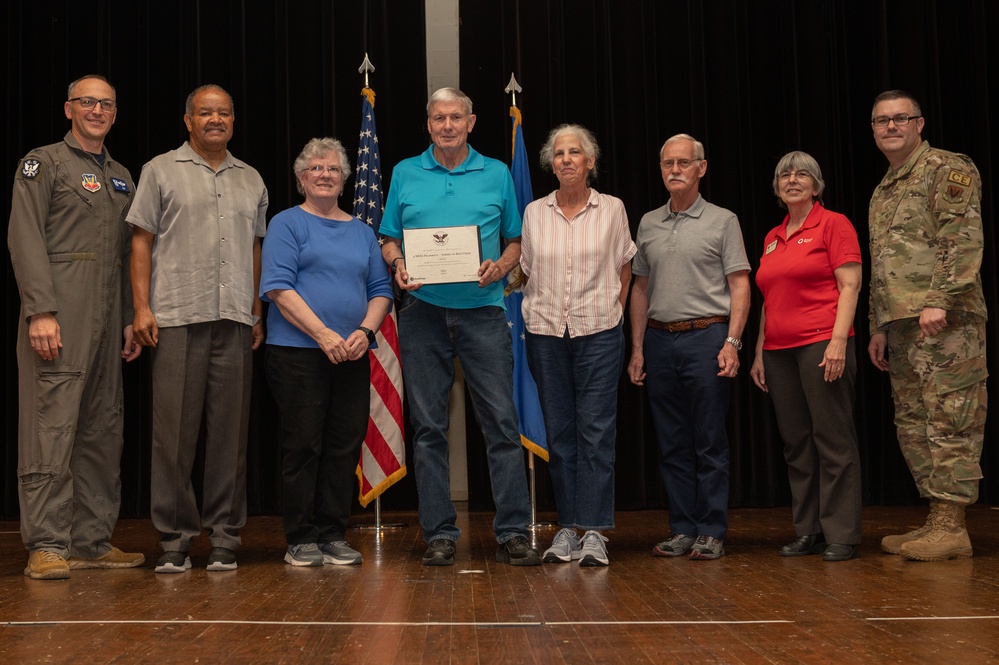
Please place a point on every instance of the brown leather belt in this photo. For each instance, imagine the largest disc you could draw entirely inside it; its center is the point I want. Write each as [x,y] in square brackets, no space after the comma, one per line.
[686,326]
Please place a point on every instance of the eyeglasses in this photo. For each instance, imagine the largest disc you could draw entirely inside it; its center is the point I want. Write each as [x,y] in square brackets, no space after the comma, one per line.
[90,102]
[682,163]
[318,169]
[784,176]
[900,120]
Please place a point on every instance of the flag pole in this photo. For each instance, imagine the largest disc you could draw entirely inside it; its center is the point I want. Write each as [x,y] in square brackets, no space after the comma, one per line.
[366,68]
[512,88]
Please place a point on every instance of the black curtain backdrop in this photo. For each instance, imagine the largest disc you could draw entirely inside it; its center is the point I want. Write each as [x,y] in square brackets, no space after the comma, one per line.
[751,80]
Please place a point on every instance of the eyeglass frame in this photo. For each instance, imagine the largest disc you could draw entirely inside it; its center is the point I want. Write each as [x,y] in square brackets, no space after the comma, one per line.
[318,169]
[883,120]
[94,102]
[785,176]
[684,164]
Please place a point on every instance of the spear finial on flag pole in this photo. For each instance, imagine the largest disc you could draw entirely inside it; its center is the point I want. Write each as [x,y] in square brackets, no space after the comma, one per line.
[513,88]
[366,68]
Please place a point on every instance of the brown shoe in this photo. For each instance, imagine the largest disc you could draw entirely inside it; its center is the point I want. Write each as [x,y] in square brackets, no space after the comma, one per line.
[43,565]
[947,538]
[113,558]
[893,544]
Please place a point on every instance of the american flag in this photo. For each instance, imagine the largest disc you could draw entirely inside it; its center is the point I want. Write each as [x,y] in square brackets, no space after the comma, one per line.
[383,455]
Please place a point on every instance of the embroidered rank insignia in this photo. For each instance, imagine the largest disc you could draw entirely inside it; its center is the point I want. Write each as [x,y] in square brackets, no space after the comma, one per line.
[90,182]
[959,178]
[119,185]
[30,168]
[771,247]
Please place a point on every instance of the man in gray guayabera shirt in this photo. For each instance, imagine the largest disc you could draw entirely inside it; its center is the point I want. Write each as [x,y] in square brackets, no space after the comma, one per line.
[197,221]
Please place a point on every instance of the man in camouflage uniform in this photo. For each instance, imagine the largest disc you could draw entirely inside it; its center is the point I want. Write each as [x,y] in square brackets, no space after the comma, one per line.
[928,312]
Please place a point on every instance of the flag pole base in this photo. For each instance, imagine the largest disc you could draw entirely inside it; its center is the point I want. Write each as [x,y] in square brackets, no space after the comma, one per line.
[532,488]
[378,526]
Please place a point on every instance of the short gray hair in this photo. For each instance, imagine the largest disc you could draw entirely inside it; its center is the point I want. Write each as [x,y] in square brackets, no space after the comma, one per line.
[189,104]
[450,95]
[586,140]
[315,149]
[69,90]
[796,160]
[698,146]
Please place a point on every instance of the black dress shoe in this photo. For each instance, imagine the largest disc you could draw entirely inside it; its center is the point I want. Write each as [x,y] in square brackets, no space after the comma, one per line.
[804,545]
[841,552]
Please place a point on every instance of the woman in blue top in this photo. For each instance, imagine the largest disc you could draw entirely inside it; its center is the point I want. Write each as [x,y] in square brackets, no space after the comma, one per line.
[322,270]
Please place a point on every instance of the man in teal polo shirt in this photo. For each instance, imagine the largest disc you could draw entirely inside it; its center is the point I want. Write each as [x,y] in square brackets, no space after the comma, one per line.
[452,185]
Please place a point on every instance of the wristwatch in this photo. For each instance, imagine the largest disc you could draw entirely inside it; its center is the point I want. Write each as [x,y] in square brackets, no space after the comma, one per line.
[737,343]
[367,332]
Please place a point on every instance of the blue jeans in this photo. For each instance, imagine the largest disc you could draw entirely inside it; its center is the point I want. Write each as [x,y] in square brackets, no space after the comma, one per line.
[689,407]
[577,383]
[430,337]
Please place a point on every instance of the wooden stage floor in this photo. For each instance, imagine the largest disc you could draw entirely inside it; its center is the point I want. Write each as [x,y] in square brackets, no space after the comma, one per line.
[752,606]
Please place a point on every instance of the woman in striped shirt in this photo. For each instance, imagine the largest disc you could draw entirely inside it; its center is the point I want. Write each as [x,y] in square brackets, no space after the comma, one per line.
[576,254]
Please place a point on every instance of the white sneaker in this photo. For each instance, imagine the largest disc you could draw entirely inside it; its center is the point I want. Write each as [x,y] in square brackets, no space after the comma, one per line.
[593,552]
[565,547]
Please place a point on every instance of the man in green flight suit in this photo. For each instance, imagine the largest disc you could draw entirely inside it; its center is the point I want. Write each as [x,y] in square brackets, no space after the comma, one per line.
[69,246]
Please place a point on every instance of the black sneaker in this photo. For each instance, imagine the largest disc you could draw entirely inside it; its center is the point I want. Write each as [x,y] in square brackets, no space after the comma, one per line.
[221,558]
[173,562]
[518,552]
[440,553]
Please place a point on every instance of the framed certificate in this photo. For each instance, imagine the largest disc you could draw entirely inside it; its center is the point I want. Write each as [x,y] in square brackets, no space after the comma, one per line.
[443,255]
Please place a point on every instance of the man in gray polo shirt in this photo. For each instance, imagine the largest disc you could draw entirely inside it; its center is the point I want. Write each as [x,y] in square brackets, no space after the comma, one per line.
[689,305]
[197,220]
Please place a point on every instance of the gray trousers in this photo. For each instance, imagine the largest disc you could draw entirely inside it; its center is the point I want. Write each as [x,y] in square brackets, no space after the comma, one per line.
[200,369]
[815,418]
[69,440]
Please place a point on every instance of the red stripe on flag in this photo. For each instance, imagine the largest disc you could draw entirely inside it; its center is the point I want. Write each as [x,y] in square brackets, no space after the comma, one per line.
[383,444]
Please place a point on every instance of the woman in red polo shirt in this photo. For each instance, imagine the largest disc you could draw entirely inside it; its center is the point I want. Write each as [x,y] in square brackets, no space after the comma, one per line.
[806,360]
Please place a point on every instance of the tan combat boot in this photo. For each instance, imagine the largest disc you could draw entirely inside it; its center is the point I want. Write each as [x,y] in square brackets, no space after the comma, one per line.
[947,539]
[893,544]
